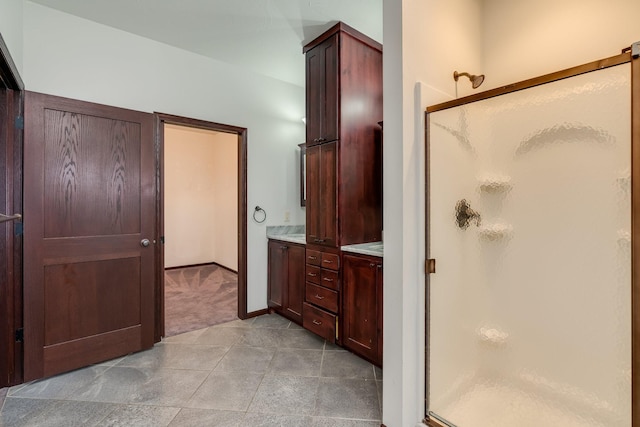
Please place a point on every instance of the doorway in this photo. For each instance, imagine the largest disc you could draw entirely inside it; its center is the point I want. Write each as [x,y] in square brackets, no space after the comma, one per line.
[184,225]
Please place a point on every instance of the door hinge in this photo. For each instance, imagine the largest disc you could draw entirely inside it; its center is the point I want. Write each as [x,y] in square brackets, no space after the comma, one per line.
[635,50]
[430,266]
[18,228]
[20,335]
[20,122]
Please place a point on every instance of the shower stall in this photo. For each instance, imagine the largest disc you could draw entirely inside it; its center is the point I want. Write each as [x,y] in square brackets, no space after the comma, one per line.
[532,201]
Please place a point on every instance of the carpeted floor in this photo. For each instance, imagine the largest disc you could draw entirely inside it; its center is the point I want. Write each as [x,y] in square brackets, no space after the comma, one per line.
[197,297]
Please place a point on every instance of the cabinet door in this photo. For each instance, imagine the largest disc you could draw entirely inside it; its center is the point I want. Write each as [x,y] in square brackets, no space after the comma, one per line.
[322,210]
[295,290]
[361,303]
[328,216]
[277,274]
[322,91]
[313,194]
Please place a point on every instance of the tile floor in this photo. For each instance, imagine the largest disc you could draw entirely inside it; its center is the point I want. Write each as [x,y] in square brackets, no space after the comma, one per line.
[264,371]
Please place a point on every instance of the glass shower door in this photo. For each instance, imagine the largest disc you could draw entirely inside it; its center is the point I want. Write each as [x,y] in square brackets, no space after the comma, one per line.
[529,221]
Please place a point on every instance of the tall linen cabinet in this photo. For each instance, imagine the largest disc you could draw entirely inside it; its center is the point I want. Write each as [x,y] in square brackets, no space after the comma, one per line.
[343,165]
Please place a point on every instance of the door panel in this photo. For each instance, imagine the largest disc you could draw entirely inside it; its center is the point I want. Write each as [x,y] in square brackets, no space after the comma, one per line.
[277,271]
[328,196]
[89,202]
[313,194]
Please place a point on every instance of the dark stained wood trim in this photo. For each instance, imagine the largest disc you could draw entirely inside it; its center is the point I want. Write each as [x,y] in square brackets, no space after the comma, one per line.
[635,200]
[536,81]
[258,313]
[342,27]
[635,241]
[11,143]
[159,330]
[241,132]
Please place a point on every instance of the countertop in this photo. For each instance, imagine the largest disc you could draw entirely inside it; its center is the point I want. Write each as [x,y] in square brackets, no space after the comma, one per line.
[371,248]
[288,233]
[300,239]
[296,234]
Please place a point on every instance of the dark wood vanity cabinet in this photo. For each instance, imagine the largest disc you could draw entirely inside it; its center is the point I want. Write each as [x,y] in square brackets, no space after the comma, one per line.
[362,306]
[285,286]
[344,148]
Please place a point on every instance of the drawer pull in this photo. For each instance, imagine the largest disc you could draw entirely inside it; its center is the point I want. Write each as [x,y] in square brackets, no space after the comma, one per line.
[326,279]
[315,322]
[327,261]
[312,258]
[319,297]
[312,274]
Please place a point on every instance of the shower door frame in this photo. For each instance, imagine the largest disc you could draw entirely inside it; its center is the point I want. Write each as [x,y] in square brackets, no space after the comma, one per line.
[627,56]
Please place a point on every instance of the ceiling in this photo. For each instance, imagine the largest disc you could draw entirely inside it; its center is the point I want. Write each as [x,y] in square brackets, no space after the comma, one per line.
[265,36]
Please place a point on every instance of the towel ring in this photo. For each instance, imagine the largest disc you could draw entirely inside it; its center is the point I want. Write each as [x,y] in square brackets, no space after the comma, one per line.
[256,212]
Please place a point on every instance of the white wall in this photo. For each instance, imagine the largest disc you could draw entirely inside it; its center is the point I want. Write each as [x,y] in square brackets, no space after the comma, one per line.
[200,197]
[525,39]
[424,42]
[11,29]
[76,58]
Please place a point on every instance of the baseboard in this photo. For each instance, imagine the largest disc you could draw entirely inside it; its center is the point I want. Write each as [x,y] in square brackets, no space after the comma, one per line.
[202,265]
[257,313]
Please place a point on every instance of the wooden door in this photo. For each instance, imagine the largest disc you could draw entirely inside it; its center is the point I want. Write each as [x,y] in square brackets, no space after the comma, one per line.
[295,282]
[277,262]
[89,192]
[322,91]
[362,323]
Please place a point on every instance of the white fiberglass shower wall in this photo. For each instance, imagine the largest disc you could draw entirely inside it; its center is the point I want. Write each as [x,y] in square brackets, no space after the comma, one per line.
[530,305]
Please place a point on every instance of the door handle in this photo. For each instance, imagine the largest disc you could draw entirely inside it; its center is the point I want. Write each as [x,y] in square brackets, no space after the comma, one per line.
[144,243]
[7,218]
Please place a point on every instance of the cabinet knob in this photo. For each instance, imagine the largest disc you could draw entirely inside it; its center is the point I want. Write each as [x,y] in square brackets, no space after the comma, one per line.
[284,247]
[372,265]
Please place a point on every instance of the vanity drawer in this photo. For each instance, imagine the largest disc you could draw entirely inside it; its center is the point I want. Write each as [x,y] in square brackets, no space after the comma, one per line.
[319,322]
[321,296]
[313,274]
[314,257]
[329,279]
[330,261]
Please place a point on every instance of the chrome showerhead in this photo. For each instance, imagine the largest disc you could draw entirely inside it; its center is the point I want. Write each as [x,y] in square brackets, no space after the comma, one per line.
[476,81]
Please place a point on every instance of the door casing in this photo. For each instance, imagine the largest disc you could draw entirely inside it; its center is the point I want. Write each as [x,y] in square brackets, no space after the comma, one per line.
[11,112]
